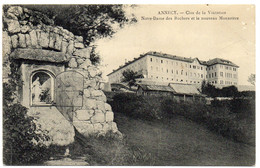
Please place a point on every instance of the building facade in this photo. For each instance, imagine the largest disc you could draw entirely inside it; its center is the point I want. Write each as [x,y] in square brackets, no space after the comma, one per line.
[163,67]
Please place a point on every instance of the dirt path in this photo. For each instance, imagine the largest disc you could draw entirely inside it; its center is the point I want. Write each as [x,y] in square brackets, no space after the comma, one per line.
[183,142]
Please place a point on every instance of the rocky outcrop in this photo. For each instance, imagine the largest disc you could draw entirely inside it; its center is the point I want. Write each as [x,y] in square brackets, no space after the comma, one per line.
[26,29]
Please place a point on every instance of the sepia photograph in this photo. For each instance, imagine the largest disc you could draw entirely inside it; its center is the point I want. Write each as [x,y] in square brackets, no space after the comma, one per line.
[128,85]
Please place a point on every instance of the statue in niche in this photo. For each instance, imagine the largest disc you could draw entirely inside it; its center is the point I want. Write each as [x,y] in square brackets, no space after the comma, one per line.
[36,90]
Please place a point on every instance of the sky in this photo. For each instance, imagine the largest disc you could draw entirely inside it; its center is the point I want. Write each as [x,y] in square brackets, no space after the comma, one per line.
[233,40]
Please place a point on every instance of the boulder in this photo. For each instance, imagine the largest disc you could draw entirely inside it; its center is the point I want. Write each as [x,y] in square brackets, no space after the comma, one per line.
[89,103]
[70,48]
[73,63]
[96,93]
[92,71]
[108,107]
[86,64]
[79,39]
[98,127]
[33,37]
[13,26]
[25,28]
[86,93]
[64,46]
[14,40]
[84,114]
[109,116]
[28,40]
[22,42]
[58,41]
[84,127]
[7,44]
[44,39]
[84,53]
[79,45]
[51,40]
[98,118]
[100,105]
[15,10]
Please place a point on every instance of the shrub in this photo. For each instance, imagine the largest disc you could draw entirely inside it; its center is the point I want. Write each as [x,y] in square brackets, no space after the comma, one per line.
[20,140]
[234,118]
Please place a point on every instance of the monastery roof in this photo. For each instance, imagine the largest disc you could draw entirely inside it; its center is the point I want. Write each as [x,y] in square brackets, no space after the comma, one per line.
[156,88]
[176,88]
[186,89]
[221,61]
[39,55]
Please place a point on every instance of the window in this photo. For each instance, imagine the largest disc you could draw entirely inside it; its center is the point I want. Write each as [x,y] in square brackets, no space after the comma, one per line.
[201,68]
[234,69]
[221,81]
[167,70]
[209,76]
[194,66]
[177,72]
[161,61]
[221,74]
[151,59]
[215,74]
[201,75]
[172,70]
[181,72]
[42,88]
[212,75]
[190,66]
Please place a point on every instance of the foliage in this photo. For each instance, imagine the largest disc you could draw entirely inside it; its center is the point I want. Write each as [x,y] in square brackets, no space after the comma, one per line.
[130,77]
[212,91]
[94,57]
[90,21]
[19,135]
[232,118]
[21,142]
[251,79]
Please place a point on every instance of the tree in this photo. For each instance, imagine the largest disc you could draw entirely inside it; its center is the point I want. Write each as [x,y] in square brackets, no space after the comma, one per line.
[130,77]
[89,21]
[251,79]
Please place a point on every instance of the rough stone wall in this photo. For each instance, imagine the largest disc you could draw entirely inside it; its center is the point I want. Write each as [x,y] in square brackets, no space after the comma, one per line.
[24,28]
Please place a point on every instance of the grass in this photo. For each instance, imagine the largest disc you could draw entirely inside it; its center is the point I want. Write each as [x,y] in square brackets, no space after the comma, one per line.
[174,142]
[182,142]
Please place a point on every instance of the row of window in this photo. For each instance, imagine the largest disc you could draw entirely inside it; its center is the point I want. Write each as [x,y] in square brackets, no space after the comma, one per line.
[191,66]
[221,67]
[227,75]
[222,82]
[171,79]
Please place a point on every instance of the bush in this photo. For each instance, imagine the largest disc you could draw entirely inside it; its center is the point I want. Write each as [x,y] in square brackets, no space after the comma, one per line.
[20,141]
[234,119]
